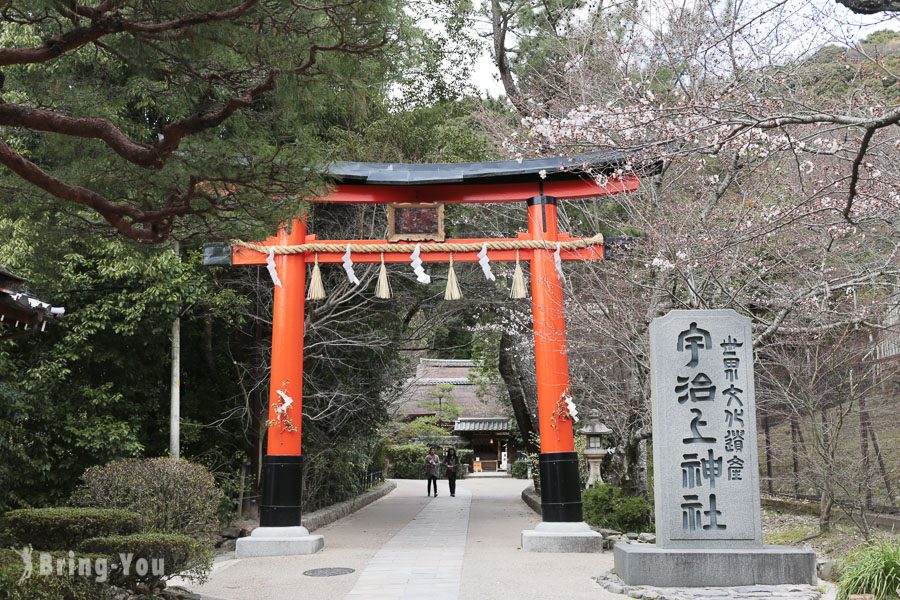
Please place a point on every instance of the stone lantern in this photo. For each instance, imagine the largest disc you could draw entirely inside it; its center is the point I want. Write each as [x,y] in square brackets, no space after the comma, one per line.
[595,450]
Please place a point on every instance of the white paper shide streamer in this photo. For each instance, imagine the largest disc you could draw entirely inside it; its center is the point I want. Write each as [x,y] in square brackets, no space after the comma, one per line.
[557,260]
[282,408]
[570,405]
[348,267]
[485,263]
[270,267]
[416,262]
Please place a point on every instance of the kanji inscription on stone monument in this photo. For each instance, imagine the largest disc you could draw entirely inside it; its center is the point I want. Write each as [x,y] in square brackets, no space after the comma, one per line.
[706,479]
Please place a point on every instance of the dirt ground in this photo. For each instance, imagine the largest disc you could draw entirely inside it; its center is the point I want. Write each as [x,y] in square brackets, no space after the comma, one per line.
[798,530]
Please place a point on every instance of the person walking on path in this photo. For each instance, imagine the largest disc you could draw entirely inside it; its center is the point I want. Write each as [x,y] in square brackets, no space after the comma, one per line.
[432,469]
[452,463]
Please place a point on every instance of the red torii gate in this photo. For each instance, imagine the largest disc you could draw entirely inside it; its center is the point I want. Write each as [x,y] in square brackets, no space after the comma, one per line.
[540,183]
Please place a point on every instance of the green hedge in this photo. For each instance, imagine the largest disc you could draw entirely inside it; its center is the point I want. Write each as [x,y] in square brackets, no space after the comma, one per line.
[46,587]
[173,496]
[179,554]
[64,528]
[407,461]
[519,469]
[608,506]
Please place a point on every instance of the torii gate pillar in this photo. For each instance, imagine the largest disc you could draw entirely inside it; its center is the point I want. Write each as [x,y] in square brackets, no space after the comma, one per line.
[279,532]
[560,486]
[562,528]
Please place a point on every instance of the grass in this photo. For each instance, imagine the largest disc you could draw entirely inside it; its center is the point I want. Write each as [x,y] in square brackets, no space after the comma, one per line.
[873,569]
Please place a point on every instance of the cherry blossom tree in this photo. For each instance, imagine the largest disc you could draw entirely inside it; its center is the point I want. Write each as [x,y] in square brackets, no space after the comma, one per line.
[769,181]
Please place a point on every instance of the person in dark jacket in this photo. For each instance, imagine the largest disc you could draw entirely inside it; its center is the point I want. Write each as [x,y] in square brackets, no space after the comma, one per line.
[451,462]
[432,469]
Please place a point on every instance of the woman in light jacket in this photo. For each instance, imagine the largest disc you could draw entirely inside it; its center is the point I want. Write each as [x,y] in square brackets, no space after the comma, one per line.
[432,469]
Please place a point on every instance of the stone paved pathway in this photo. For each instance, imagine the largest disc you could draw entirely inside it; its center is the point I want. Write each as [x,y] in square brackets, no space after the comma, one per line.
[407,546]
[424,559]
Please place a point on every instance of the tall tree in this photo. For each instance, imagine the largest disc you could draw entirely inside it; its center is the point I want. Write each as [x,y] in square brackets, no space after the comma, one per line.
[141,113]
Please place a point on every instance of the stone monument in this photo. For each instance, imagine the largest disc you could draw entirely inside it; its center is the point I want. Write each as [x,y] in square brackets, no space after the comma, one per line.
[706,475]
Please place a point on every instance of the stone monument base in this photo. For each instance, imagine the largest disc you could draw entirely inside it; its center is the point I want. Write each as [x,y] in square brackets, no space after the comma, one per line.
[647,564]
[278,541]
[562,537]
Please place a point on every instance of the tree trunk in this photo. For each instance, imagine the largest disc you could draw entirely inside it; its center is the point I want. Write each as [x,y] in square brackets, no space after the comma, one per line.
[826,504]
[881,467]
[795,455]
[499,28]
[864,450]
[641,468]
[769,483]
[826,493]
[516,390]
[175,390]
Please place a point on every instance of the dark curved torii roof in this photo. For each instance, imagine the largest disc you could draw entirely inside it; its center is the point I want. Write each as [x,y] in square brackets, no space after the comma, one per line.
[501,171]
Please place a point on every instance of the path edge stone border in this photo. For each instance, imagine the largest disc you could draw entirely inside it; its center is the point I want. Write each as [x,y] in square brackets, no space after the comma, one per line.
[532,499]
[330,514]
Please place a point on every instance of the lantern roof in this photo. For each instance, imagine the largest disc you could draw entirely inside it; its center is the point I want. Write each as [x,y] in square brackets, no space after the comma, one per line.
[595,428]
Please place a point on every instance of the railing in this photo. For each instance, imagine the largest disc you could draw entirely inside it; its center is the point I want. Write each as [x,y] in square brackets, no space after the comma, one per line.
[371,478]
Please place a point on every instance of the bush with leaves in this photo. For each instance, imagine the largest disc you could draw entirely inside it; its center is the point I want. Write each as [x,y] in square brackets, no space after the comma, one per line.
[164,554]
[44,587]
[172,496]
[873,569]
[519,469]
[64,528]
[608,506]
[407,461]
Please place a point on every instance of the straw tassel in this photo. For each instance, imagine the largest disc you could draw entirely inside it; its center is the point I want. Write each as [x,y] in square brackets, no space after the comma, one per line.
[517,291]
[452,292]
[383,287]
[316,289]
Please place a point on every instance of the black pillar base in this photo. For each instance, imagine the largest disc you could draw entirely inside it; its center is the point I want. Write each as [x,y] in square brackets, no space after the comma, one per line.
[281,487]
[560,488]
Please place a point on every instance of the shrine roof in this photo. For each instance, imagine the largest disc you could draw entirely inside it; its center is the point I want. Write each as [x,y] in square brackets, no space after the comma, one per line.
[502,171]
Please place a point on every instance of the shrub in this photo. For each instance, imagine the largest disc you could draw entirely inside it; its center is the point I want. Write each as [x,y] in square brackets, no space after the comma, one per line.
[873,569]
[166,555]
[519,469]
[608,506]
[46,587]
[64,528]
[407,461]
[173,496]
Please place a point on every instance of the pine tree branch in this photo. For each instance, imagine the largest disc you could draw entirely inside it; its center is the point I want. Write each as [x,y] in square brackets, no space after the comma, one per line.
[145,226]
[104,23]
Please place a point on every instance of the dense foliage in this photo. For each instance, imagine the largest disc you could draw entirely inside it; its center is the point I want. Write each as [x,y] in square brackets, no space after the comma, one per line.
[407,461]
[171,496]
[610,507]
[181,116]
[71,587]
[64,528]
[176,554]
